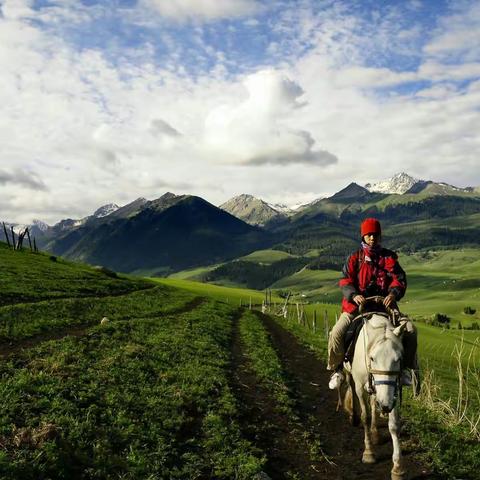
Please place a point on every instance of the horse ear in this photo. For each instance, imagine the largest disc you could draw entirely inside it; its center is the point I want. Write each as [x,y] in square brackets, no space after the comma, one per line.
[399,330]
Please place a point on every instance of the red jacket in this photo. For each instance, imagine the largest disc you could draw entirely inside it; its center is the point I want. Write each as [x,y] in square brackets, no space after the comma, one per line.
[367,277]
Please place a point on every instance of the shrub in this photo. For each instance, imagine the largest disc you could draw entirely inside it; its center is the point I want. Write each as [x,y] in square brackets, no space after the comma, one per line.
[469,310]
[474,326]
[441,318]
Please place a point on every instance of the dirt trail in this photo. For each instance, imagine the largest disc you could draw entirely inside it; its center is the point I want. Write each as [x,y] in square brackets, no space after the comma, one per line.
[19,346]
[316,405]
[269,429]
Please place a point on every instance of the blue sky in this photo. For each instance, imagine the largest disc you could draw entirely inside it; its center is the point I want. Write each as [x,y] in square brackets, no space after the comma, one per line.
[128,98]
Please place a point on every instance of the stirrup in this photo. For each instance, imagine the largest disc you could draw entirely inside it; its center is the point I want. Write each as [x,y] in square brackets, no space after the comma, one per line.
[336,379]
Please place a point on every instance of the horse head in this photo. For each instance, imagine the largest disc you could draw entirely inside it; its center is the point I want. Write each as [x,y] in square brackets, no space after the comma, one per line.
[384,361]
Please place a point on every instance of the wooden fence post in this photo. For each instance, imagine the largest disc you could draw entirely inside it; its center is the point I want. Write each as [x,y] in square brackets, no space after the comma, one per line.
[29,240]
[325,323]
[314,321]
[6,234]
[13,238]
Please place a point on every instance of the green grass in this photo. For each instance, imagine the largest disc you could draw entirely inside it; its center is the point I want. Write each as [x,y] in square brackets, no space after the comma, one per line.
[316,285]
[132,399]
[443,282]
[194,273]
[22,321]
[29,277]
[145,395]
[65,383]
[264,359]
[232,296]
[266,257]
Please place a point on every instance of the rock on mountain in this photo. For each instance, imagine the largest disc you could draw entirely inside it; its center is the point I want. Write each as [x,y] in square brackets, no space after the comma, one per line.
[399,183]
[252,210]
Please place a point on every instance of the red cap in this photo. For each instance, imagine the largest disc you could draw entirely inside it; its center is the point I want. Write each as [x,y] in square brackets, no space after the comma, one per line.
[370,225]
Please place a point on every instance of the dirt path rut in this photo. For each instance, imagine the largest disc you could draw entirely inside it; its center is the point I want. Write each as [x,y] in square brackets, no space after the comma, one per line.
[17,347]
[271,430]
[316,407]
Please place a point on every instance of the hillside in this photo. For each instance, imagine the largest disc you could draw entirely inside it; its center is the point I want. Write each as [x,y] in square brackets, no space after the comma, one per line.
[441,220]
[185,232]
[174,372]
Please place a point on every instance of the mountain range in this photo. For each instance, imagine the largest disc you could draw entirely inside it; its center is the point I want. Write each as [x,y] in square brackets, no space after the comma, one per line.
[176,232]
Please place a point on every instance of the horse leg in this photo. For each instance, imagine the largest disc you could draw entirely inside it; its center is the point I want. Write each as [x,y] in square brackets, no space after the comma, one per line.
[398,471]
[340,399]
[351,404]
[373,425]
[368,455]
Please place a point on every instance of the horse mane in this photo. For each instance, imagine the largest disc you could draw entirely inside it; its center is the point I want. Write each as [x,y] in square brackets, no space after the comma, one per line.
[380,321]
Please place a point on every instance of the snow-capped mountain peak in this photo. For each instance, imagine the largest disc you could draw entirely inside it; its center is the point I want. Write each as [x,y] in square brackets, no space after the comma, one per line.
[105,210]
[399,183]
[42,226]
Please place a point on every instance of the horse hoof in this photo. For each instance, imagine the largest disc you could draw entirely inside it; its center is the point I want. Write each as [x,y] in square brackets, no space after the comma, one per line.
[399,474]
[369,458]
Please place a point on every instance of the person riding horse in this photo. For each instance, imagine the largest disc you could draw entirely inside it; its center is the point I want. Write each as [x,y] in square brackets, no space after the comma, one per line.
[370,271]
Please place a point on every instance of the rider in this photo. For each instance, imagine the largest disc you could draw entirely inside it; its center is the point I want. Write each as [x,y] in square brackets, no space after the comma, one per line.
[371,270]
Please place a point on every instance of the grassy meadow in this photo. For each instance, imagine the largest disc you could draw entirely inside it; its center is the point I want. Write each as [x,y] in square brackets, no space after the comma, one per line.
[133,397]
[446,414]
[130,398]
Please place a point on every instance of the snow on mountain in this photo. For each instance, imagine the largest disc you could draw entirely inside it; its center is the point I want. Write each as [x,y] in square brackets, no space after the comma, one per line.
[105,210]
[399,183]
[280,207]
[41,226]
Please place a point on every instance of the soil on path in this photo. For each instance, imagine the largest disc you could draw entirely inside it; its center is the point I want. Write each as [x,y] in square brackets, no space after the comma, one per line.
[277,435]
[316,406]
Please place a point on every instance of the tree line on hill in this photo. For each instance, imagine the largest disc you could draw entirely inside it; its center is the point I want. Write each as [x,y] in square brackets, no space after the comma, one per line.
[259,276]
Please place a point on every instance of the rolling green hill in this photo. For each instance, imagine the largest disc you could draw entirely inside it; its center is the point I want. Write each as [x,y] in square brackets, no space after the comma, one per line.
[149,394]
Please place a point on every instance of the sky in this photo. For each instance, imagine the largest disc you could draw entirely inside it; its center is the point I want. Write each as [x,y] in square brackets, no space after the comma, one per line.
[109,100]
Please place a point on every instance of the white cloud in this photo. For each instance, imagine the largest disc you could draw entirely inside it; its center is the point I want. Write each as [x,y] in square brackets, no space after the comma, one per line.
[373,77]
[96,132]
[203,9]
[257,130]
[458,33]
[438,72]
[16,9]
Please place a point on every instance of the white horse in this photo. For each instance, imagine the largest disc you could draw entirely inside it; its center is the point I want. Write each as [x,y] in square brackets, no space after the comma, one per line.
[375,371]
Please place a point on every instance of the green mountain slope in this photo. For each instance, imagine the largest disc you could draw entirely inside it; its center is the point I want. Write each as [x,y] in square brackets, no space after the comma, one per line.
[429,219]
[189,233]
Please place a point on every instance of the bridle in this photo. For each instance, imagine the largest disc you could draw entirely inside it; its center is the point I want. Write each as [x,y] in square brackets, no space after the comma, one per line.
[372,382]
